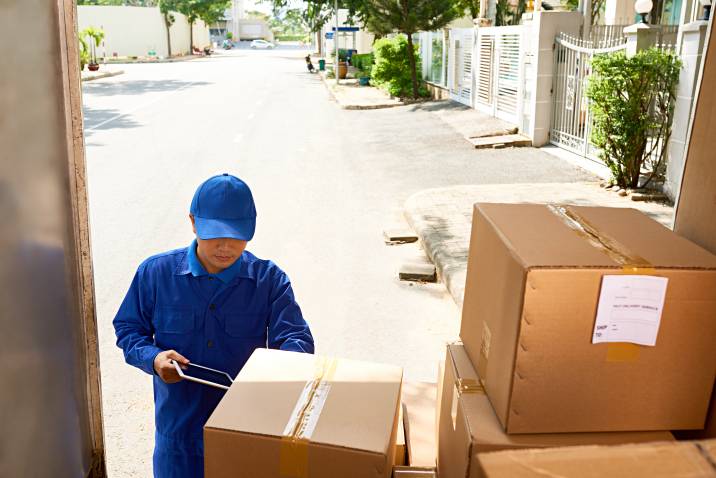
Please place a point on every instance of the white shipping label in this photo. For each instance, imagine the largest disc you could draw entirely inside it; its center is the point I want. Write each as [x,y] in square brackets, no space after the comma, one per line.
[630,309]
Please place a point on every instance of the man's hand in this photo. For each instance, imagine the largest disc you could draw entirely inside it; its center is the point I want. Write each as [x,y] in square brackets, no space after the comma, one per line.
[165,368]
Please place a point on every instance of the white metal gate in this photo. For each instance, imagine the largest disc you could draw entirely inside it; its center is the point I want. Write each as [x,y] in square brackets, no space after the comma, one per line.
[460,61]
[499,73]
[571,119]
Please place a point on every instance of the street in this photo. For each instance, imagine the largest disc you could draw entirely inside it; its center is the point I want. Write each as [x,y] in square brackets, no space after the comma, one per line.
[327,182]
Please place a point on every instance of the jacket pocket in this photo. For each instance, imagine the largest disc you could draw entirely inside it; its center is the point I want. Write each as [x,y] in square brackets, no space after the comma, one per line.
[245,325]
[172,320]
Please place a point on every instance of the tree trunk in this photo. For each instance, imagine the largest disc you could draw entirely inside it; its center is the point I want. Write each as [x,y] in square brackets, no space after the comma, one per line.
[169,39]
[411,60]
[319,44]
[191,37]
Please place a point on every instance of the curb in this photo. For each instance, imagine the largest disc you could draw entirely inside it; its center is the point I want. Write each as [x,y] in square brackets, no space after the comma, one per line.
[164,60]
[353,106]
[99,76]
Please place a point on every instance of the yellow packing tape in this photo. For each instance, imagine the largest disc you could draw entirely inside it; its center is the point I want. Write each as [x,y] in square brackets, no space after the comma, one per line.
[293,460]
[468,385]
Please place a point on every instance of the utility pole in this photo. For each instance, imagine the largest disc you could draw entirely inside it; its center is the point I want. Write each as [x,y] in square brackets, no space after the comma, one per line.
[335,44]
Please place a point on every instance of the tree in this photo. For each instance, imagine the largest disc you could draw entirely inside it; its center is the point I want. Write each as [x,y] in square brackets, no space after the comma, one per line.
[166,7]
[471,6]
[209,11]
[409,17]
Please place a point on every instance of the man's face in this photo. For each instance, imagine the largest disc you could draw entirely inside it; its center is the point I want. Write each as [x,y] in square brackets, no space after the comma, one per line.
[218,254]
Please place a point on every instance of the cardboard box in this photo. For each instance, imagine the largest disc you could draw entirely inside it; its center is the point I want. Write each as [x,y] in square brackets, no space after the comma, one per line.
[468,424]
[414,472]
[534,280]
[401,450]
[420,425]
[300,415]
[649,460]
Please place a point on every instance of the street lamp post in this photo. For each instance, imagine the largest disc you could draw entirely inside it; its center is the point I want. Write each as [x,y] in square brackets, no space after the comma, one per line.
[336,68]
[643,7]
[707,9]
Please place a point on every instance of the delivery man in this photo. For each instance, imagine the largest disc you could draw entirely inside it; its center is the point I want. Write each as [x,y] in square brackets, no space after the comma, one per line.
[212,303]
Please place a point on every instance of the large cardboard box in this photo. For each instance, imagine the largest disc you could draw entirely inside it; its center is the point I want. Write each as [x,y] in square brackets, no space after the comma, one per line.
[298,415]
[468,424]
[649,460]
[420,425]
[534,279]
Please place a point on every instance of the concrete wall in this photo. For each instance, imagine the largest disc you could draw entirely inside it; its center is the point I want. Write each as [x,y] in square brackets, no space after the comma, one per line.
[134,31]
[252,29]
[538,73]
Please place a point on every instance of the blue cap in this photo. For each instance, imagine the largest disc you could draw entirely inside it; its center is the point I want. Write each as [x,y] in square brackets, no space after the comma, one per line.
[224,207]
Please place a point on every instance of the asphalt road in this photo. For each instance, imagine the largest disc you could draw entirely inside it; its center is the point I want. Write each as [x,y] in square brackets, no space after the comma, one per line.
[326,181]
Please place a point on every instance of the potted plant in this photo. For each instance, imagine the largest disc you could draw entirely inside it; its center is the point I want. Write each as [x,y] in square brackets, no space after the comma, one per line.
[342,63]
[84,53]
[96,36]
[363,76]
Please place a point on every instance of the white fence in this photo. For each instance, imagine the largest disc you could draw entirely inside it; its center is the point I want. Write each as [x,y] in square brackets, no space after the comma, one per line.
[461,41]
[499,77]
[571,119]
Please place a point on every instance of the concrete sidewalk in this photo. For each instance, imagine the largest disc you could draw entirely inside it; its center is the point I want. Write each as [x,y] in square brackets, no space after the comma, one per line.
[351,96]
[98,75]
[442,218]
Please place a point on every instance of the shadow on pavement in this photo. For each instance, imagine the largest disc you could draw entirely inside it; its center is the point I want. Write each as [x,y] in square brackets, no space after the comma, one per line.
[137,87]
[439,105]
[95,117]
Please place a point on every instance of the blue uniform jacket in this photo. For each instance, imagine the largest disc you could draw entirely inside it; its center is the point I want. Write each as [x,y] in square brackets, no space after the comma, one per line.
[216,320]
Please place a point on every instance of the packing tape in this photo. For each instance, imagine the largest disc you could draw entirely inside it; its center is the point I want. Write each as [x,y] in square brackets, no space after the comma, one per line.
[608,245]
[631,264]
[468,385]
[293,461]
[622,352]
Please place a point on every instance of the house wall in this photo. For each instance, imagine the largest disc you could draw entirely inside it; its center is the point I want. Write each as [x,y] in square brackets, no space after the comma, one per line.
[134,31]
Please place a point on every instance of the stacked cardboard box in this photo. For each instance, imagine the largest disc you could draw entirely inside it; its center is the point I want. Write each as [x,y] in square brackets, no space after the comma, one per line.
[580,326]
[650,460]
[468,425]
[300,415]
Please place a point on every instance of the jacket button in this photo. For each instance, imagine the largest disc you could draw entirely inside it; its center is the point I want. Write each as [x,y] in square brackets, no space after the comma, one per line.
[212,307]
[210,344]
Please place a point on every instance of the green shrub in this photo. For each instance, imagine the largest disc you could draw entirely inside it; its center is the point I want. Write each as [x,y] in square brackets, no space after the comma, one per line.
[391,70]
[363,61]
[632,102]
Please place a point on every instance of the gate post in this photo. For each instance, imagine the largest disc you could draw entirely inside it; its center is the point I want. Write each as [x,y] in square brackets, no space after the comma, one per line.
[640,36]
[539,68]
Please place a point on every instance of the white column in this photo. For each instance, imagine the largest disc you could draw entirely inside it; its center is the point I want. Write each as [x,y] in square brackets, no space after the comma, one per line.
[539,69]
[693,39]
[618,12]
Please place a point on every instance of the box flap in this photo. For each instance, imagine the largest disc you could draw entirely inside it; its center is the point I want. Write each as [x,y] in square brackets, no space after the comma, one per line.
[540,237]
[652,460]
[419,399]
[359,411]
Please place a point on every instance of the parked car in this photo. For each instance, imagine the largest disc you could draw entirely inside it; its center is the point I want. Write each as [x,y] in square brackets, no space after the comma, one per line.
[262,44]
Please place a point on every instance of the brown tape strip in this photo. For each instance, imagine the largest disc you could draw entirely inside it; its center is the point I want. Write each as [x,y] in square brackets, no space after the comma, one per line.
[293,459]
[631,264]
[608,245]
[468,385]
